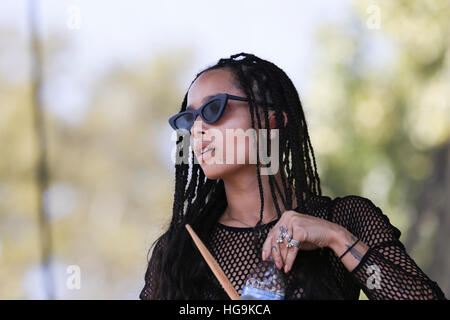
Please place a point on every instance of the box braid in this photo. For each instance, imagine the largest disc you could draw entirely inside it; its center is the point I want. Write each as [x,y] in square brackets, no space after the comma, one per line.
[255,77]
[201,201]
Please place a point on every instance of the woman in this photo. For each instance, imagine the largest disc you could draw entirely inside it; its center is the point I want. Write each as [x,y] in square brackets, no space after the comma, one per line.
[328,248]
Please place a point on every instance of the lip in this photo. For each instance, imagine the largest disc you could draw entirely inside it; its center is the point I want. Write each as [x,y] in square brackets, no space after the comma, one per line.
[203,146]
[208,150]
[206,155]
[206,144]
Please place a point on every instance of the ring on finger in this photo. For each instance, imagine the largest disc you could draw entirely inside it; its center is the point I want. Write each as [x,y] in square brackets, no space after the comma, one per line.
[280,238]
[283,234]
[293,243]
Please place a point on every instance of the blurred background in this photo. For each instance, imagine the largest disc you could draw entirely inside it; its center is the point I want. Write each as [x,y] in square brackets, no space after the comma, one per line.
[86,88]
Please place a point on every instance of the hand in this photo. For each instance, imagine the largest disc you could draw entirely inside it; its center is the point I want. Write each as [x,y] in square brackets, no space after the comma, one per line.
[311,232]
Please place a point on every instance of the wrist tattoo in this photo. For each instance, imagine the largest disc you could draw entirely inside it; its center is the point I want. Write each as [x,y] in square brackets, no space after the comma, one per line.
[354,252]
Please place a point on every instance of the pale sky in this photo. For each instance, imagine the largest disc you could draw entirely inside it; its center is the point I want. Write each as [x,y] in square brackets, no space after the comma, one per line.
[110,31]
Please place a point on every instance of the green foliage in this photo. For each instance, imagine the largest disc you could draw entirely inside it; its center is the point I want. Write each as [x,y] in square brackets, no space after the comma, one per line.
[379,108]
[110,178]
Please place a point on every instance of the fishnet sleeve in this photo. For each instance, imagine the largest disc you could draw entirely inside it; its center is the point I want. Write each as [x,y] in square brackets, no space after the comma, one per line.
[386,271]
[151,287]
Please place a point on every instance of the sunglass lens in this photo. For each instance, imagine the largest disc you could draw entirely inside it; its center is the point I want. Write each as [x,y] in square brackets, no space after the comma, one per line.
[185,121]
[211,110]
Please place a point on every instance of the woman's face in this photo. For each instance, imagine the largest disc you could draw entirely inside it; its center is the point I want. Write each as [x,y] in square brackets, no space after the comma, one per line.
[235,118]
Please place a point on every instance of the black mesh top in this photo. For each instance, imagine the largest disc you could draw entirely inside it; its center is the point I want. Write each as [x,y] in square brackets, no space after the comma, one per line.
[400,277]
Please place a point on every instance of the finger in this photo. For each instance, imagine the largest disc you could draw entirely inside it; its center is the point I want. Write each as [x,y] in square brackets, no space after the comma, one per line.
[276,253]
[267,247]
[283,247]
[298,234]
[291,255]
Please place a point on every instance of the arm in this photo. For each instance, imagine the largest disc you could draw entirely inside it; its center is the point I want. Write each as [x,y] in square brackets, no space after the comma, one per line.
[343,240]
[379,261]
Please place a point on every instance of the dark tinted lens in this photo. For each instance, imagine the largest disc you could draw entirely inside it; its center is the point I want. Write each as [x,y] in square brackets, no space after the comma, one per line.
[211,110]
[185,121]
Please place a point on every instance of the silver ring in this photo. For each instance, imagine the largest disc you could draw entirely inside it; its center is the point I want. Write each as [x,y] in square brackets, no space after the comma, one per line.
[293,243]
[280,238]
[283,234]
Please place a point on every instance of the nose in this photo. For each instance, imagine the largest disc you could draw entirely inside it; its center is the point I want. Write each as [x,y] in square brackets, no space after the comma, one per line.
[197,127]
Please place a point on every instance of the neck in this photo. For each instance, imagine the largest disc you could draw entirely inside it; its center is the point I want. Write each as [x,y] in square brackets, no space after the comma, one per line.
[244,200]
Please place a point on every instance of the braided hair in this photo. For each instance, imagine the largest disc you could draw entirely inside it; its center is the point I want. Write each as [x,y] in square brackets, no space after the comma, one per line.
[200,201]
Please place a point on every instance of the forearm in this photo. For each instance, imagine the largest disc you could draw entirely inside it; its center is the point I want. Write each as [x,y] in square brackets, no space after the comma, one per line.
[342,240]
[379,261]
[386,273]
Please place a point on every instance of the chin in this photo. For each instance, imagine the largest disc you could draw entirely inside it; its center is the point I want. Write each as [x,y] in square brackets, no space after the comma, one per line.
[215,171]
[219,171]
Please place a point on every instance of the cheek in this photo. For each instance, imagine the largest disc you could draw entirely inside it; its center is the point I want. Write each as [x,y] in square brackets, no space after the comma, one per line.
[239,139]
[238,148]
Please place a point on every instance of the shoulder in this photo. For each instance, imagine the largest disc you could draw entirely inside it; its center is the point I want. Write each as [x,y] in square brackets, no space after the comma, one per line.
[355,211]
[317,205]
[353,203]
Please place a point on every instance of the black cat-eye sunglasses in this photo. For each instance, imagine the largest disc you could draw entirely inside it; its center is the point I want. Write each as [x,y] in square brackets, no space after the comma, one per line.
[210,112]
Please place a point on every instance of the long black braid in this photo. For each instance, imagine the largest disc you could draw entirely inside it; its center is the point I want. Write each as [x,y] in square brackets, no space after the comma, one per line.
[201,201]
